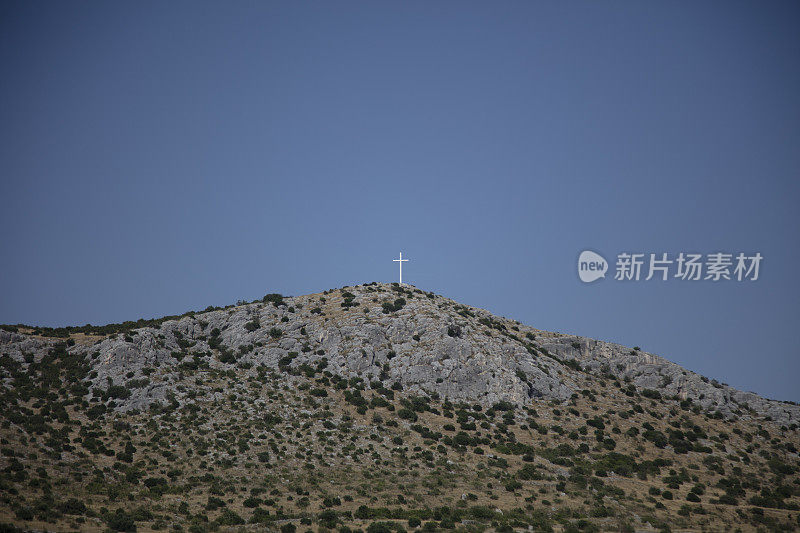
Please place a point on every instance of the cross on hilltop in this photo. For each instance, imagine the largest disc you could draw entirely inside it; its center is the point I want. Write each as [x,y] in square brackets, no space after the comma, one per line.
[401,261]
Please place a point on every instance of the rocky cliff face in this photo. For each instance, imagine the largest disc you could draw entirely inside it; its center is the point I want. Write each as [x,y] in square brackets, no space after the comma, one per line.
[415,340]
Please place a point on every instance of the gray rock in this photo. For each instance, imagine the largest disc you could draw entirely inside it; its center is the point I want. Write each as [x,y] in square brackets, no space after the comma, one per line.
[432,345]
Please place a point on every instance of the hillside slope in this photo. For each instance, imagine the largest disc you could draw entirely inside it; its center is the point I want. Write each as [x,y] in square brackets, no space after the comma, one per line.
[377,406]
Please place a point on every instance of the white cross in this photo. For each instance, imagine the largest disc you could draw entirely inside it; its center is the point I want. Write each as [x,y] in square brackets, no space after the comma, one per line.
[401,261]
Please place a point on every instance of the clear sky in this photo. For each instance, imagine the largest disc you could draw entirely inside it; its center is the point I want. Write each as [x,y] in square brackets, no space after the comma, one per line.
[161,157]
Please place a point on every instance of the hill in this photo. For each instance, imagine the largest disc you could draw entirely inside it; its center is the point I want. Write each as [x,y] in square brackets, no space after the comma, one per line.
[376,407]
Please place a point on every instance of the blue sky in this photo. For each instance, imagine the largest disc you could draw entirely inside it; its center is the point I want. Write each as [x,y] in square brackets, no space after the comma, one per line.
[161,157]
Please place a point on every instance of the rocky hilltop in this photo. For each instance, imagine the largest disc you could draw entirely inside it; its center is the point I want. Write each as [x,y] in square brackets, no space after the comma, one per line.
[378,408]
[419,340]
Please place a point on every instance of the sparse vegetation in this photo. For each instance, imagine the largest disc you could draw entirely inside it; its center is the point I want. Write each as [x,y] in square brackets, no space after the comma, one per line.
[227,428]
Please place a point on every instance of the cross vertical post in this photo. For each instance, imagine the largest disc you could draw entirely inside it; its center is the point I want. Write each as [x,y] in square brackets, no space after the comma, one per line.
[401,260]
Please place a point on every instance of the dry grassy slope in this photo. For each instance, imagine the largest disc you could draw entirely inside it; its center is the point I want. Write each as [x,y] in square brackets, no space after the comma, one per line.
[194,432]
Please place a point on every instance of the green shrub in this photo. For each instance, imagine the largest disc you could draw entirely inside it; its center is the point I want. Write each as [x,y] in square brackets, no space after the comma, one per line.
[214,503]
[529,472]
[596,422]
[274,298]
[328,518]
[260,516]
[24,513]
[252,502]
[120,521]
[229,518]
[154,482]
[379,527]
[389,307]
[656,437]
[72,506]
[142,514]
[331,501]
[118,392]
[407,414]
